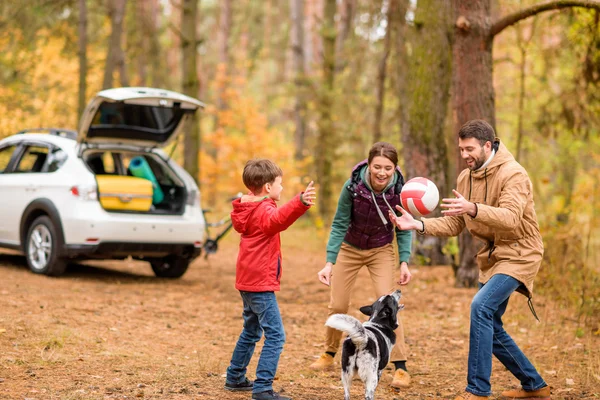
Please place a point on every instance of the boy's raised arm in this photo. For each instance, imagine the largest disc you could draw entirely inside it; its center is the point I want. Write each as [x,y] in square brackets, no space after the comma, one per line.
[275,220]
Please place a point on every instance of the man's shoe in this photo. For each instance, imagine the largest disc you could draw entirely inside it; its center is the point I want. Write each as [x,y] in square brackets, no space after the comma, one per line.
[244,386]
[269,395]
[540,394]
[324,362]
[470,396]
[401,379]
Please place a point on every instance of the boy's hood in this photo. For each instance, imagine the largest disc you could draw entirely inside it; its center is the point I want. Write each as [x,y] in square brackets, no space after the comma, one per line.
[243,209]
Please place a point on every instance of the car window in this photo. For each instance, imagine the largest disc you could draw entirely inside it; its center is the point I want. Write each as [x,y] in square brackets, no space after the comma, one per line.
[56,159]
[33,159]
[5,156]
[102,163]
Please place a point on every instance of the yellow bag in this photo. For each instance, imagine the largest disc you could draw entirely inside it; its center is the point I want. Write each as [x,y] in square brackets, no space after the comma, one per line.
[124,193]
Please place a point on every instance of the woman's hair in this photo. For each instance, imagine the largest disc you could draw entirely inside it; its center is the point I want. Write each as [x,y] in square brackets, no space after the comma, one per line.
[259,171]
[383,149]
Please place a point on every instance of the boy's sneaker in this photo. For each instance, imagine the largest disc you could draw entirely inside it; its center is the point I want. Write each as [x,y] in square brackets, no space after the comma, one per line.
[244,386]
[269,395]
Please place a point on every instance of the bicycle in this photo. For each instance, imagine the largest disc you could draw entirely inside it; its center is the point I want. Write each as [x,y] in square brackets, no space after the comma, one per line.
[211,245]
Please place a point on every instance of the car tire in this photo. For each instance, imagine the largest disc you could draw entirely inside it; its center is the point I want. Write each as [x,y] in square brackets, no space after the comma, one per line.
[41,246]
[170,267]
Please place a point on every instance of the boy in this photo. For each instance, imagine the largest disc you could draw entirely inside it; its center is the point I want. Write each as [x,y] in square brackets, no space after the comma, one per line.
[258,273]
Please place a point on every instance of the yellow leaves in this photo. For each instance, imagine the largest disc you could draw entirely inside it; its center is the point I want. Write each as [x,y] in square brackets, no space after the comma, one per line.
[242,132]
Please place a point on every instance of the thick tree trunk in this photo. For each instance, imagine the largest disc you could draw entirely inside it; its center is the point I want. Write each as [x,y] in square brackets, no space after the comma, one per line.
[191,86]
[473,97]
[82,53]
[297,16]
[115,56]
[326,140]
[428,92]
[381,71]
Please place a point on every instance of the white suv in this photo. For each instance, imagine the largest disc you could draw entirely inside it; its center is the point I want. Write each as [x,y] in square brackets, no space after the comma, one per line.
[51,204]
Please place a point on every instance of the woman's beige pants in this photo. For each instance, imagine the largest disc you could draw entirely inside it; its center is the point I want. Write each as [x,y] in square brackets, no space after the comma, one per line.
[381,263]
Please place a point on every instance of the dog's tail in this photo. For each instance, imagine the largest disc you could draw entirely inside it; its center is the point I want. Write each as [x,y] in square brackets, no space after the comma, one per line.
[353,327]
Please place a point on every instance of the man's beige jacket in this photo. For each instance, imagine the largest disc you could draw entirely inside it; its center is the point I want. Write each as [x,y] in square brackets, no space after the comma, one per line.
[505,220]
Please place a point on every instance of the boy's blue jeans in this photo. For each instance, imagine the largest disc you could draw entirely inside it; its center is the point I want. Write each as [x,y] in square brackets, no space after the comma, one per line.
[261,314]
[488,337]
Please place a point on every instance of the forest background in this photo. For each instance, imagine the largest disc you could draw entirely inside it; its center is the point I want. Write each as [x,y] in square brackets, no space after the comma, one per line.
[312,84]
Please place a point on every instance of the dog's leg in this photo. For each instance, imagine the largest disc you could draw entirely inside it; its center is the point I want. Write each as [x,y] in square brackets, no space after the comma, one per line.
[370,386]
[347,376]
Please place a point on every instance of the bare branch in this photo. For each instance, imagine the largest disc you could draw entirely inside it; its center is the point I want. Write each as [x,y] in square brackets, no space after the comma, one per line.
[512,19]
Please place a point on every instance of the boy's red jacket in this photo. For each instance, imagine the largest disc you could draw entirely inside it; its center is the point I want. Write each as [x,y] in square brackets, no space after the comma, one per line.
[259,222]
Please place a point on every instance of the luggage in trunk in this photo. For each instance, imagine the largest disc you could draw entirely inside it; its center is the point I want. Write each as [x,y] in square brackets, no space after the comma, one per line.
[124,193]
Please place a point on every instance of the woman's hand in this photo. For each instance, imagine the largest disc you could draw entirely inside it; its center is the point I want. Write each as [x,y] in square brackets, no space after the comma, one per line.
[405,275]
[325,274]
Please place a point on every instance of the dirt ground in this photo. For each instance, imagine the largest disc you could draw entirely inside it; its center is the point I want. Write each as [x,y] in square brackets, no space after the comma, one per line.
[111,330]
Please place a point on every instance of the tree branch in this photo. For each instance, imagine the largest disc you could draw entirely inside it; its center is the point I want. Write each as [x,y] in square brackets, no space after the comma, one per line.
[512,19]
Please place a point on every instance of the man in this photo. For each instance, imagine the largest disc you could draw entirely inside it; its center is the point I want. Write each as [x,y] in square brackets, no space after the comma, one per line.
[494,201]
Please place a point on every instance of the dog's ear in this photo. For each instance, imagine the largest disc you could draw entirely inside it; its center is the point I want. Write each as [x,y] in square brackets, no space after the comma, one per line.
[367,310]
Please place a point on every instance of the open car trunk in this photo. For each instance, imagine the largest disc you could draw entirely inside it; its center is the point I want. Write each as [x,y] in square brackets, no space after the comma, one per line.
[124,186]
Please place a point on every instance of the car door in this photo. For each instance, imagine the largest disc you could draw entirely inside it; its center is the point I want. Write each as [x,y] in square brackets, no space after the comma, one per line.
[8,185]
[20,184]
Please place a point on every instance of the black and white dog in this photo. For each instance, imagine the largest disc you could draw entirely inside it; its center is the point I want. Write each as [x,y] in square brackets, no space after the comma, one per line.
[368,346]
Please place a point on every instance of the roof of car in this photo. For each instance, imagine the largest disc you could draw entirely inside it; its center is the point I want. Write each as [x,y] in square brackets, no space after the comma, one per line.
[60,141]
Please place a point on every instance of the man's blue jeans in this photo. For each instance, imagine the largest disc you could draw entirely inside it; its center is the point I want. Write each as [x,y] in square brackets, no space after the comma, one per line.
[488,337]
[261,314]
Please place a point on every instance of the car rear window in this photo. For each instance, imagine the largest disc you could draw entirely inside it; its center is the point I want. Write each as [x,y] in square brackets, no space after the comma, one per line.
[136,116]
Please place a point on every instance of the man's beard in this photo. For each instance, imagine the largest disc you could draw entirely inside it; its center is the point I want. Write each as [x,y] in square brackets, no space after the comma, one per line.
[479,161]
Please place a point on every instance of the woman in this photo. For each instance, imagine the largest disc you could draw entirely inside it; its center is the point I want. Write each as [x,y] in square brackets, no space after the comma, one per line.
[362,235]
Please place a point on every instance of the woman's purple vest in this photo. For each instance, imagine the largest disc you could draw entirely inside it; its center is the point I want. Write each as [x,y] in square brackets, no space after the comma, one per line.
[367,230]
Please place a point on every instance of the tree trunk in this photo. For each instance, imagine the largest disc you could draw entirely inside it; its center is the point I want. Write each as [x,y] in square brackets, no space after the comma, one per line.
[82,53]
[381,71]
[191,86]
[312,41]
[522,44]
[223,43]
[143,26]
[297,16]
[347,10]
[427,95]
[401,70]
[158,67]
[115,57]
[473,97]
[326,140]
[222,82]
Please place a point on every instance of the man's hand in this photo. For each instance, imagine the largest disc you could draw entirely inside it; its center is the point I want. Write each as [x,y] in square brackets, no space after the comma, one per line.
[404,222]
[405,275]
[458,206]
[309,195]
[325,274]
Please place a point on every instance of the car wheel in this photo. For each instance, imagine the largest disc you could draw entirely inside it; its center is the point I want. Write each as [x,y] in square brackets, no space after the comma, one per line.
[41,248]
[170,267]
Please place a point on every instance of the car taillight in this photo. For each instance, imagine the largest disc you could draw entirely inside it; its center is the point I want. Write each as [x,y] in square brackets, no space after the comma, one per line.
[86,193]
